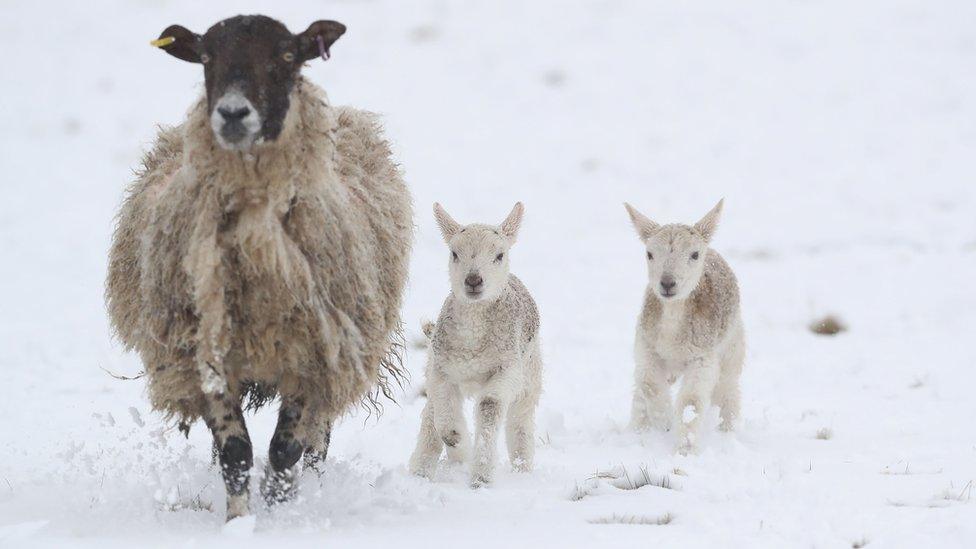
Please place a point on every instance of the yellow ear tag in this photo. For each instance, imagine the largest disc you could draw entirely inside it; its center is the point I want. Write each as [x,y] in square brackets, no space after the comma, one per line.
[161,42]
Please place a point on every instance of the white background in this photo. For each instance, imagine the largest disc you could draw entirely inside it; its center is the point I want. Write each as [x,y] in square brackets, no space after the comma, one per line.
[841,135]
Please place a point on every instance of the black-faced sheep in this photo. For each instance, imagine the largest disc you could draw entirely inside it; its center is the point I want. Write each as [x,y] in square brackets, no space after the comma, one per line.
[262,251]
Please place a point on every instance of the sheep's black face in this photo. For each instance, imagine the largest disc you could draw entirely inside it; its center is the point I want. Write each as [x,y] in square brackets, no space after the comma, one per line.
[251,64]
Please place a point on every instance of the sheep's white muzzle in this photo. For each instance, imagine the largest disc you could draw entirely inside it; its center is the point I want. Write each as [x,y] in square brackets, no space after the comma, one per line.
[235,122]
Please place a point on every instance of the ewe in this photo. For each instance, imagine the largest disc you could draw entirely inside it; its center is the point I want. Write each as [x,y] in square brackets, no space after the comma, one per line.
[485,345]
[262,251]
[689,327]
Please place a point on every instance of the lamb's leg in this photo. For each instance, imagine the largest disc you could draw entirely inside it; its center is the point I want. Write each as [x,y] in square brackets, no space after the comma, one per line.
[318,434]
[488,413]
[429,444]
[287,446]
[520,431]
[448,415]
[226,421]
[651,408]
[727,394]
[693,400]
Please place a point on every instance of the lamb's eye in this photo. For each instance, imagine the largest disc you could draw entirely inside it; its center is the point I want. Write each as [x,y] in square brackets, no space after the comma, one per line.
[288,56]
[204,58]
[650,255]
[499,257]
[694,255]
[454,256]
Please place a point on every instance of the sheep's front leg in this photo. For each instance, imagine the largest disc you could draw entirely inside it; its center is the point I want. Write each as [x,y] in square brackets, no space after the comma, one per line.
[448,415]
[429,444]
[489,411]
[651,408]
[693,401]
[287,445]
[225,419]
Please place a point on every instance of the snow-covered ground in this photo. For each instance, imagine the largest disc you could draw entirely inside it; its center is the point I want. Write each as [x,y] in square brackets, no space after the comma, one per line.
[842,135]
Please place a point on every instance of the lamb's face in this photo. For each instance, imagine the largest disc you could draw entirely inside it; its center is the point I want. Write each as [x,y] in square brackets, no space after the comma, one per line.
[675,254]
[250,66]
[675,261]
[478,260]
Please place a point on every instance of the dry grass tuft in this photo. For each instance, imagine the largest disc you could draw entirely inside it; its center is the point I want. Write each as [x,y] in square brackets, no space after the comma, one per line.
[635,519]
[828,325]
[825,433]
[859,543]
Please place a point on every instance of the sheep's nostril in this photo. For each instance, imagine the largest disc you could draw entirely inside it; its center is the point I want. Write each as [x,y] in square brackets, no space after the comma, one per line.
[473,281]
[234,115]
[668,282]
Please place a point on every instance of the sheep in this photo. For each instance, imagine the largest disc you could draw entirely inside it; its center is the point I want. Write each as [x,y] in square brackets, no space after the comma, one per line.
[690,326]
[262,251]
[485,344]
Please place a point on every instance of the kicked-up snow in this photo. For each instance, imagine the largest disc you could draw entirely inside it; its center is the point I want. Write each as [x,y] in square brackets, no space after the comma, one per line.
[841,135]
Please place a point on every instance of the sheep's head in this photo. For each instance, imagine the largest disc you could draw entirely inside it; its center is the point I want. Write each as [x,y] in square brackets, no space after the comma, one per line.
[250,66]
[675,253]
[479,254]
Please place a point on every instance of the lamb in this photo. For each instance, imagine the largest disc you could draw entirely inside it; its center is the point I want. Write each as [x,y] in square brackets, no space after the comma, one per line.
[690,326]
[485,345]
[262,251]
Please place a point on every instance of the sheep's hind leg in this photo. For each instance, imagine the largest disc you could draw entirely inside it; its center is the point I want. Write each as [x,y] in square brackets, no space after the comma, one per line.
[727,394]
[287,446]
[318,432]
[233,446]
[520,432]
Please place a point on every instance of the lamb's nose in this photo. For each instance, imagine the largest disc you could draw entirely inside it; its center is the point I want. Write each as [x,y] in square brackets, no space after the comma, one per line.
[234,115]
[473,280]
[668,283]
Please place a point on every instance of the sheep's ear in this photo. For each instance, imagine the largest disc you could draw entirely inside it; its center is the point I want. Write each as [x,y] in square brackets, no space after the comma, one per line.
[645,227]
[180,42]
[709,223]
[510,226]
[448,226]
[308,41]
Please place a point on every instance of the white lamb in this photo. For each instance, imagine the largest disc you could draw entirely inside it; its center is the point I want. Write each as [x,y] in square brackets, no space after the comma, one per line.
[690,326]
[485,345]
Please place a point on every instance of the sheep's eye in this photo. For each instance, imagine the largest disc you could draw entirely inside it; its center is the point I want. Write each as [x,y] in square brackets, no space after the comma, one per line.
[454,256]
[499,257]
[204,58]
[694,255]
[650,255]
[288,56]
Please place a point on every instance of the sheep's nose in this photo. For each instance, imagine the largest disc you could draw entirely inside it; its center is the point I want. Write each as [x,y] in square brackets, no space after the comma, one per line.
[473,280]
[668,283]
[234,115]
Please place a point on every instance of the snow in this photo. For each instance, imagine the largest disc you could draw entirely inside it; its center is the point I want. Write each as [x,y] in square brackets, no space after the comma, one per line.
[841,135]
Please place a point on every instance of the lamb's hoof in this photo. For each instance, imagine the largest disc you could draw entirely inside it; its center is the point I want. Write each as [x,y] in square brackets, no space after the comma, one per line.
[687,448]
[422,470]
[521,466]
[452,438]
[479,480]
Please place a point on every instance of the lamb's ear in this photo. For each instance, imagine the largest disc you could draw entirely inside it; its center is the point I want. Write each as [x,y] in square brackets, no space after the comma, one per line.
[645,227]
[180,42]
[448,226]
[308,41]
[709,223]
[510,226]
